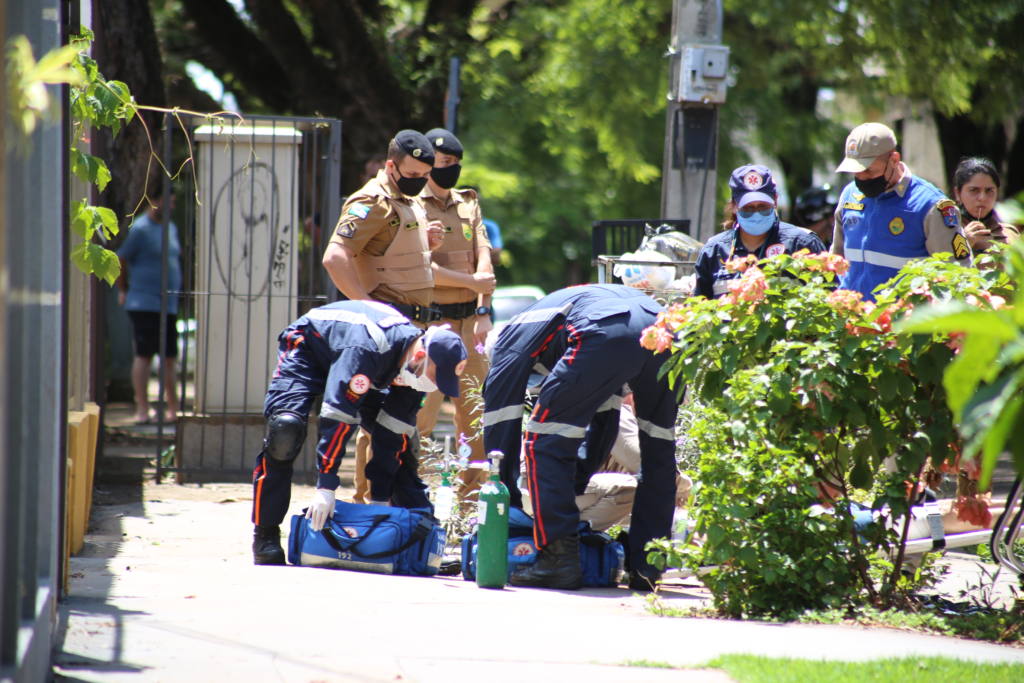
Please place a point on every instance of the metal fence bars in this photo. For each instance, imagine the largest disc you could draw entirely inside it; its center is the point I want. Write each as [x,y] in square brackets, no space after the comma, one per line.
[261,195]
[625,234]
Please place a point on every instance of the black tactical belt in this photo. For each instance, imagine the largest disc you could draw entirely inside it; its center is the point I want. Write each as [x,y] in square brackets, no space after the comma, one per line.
[456,311]
[421,314]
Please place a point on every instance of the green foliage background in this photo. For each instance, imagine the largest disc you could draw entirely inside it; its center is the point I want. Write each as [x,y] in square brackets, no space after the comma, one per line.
[563,101]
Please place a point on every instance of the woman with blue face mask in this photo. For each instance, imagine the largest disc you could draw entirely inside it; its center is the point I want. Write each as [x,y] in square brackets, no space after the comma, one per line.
[752,226]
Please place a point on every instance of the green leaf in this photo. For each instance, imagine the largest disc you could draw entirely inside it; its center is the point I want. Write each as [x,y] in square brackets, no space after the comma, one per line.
[81,220]
[971,366]
[996,439]
[92,259]
[959,317]
[862,474]
[90,169]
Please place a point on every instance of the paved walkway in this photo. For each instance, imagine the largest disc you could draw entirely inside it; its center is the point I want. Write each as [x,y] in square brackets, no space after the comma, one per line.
[165,590]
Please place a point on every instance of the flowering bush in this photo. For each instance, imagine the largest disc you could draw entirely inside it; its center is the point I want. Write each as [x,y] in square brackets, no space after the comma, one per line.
[813,391]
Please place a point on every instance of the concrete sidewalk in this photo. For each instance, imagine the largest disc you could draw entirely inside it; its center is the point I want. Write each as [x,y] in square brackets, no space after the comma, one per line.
[165,590]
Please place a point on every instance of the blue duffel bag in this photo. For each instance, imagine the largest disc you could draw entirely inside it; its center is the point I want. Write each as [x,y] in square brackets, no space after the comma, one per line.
[601,558]
[370,538]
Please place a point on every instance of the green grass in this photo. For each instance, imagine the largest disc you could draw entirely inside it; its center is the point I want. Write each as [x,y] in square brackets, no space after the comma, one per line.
[751,669]
[647,664]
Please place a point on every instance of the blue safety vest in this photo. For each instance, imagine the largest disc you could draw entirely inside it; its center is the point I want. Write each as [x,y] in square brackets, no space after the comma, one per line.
[881,234]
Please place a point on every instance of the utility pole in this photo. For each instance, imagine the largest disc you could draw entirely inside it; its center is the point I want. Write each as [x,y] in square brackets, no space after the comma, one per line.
[696,89]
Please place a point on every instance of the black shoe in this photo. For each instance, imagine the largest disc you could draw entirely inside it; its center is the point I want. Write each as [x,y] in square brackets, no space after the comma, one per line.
[266,545]
[557,566]
[642,583]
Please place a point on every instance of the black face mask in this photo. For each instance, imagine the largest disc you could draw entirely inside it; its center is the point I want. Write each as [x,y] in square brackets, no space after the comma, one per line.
[410,187]
[446,177]
[872,187]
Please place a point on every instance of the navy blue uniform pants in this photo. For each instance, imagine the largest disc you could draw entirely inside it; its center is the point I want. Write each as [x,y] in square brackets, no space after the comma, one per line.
[591,371]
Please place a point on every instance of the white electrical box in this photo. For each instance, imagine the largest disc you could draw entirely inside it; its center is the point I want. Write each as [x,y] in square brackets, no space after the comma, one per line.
[703,73]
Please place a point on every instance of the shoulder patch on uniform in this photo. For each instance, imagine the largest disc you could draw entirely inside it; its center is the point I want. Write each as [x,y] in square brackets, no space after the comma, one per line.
[896,226]
[467,232]
[346,228]
[960,248]
[359,384]
[358,210]
[858,195]
[853,206]
[774,250]
[950,214]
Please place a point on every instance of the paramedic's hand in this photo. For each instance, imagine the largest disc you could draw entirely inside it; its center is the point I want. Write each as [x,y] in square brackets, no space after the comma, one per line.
[320,508]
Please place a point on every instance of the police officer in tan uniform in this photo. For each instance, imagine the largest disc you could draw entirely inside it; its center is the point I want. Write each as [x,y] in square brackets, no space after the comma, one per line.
[380,249]
[464,281]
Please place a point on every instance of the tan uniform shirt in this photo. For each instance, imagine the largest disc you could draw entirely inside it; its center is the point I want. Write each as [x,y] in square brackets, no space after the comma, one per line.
[464,233]
[387,232]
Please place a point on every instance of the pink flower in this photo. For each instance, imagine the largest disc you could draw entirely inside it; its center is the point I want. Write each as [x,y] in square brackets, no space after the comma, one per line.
[656,338]
[749,288]
[740,264]
[823,261]
[845,300]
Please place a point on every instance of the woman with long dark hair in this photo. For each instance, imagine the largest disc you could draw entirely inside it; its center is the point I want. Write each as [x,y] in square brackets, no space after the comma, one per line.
[976,187]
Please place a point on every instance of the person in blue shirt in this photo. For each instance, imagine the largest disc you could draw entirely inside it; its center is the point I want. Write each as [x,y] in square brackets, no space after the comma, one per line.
[372,366]
[494,237]
[585,341]
[142,258]
[752,226]
[888,216]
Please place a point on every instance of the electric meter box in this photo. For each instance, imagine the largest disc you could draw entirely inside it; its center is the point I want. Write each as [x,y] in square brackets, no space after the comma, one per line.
[703,74]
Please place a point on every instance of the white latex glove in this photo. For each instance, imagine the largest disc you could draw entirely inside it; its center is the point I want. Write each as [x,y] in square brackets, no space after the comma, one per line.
[320,508]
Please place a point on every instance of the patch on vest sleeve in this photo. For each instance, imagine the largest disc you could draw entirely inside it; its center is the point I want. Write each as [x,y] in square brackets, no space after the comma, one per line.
[359,211]
[896,226]
[960,248]
[950,214]
[359,384]
[346,228]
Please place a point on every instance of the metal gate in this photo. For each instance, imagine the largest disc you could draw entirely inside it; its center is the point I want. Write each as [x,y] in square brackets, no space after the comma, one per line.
[260,195]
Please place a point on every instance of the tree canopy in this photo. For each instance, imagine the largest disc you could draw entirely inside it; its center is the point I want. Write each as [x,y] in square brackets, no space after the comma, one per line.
[563,101]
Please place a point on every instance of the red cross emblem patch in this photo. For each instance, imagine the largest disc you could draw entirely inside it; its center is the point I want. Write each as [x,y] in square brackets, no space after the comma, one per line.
[359,384]
[752,180]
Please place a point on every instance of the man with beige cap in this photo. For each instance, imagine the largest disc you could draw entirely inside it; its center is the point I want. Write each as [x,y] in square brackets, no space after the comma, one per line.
[887,216]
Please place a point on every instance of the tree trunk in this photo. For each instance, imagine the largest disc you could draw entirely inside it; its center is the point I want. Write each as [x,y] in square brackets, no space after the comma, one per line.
[126,49]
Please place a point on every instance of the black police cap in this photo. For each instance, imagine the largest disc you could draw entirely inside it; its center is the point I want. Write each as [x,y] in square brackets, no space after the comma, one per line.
[416,145]
[445,141]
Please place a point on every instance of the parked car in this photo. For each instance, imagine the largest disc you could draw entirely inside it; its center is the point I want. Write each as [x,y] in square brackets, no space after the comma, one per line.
[508,302]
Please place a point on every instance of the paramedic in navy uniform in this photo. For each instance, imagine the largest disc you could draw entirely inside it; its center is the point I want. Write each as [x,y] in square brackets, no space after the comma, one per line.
[752,226]
[372,367]
[887,215]
[586,342]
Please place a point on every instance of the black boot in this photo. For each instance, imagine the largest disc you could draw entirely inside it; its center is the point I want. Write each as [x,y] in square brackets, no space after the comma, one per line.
[266,545]
[557,566]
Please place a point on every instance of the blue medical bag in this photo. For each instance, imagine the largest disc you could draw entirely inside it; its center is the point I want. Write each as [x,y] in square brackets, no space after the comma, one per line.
[370,538]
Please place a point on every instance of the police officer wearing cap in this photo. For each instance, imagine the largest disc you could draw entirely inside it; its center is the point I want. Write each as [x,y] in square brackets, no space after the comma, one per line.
[463,282]
[371,365]
[752,226]
[585,341]
[381,246]
[888,216]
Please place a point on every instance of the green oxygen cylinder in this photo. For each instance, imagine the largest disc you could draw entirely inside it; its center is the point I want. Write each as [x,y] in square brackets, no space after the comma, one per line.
[492,532]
